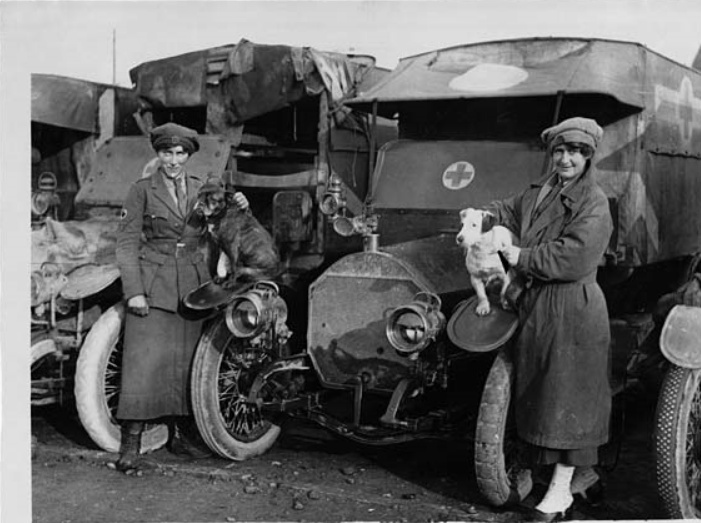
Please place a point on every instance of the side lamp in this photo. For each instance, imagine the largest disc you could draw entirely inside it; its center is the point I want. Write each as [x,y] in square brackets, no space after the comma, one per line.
[253,312]
[411,328]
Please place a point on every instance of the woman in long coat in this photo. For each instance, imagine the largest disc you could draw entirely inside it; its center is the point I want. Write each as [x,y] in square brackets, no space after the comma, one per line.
[159,260]
[562,394]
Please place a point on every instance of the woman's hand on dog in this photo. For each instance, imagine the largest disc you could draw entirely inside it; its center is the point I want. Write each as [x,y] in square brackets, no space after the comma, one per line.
[511,253]
[138,305]
[241,201]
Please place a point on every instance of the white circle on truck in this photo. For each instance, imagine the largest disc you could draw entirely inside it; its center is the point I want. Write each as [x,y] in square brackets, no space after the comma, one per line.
[458,175]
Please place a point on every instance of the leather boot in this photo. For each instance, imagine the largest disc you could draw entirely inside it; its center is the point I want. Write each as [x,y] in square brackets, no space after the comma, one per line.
[130,461]
[186,440]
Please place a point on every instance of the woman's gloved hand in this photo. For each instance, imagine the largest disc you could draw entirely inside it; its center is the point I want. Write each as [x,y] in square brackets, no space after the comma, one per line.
[241,201]
[138,305]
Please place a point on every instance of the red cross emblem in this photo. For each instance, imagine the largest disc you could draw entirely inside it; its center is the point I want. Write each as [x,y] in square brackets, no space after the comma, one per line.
[686,109]
[679,107]
[458,175]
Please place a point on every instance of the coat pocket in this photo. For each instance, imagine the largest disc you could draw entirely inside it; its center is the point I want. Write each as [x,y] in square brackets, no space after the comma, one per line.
[157,223]
[151,262]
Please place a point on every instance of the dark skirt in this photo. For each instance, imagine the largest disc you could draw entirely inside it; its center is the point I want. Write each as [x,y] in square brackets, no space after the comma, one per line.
[158,352]
[585,457]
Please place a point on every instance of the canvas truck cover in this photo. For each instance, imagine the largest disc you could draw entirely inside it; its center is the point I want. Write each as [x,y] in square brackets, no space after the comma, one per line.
[239,82]
[502,94]
[510,68]
[75,104]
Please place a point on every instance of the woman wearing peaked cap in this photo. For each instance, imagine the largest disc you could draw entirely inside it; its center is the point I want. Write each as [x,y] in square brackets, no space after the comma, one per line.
[160,263]
[561,393]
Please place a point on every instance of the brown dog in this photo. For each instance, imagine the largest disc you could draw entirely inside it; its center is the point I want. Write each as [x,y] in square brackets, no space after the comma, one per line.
[246,250]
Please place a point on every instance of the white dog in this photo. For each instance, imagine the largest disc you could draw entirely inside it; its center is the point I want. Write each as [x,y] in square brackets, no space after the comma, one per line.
[482,240]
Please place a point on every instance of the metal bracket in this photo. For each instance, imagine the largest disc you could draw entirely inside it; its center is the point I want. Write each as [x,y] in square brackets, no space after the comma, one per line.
[361,381]
[296,363]
[400,392]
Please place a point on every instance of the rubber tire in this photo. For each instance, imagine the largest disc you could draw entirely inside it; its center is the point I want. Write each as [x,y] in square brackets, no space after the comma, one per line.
[205,401]
[42,346]
[492,419]
[90,399]
[680,389]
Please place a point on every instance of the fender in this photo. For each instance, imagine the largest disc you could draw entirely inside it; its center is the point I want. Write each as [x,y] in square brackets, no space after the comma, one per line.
[680,340]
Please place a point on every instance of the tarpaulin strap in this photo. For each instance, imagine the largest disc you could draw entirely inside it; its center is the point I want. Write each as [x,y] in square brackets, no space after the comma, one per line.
[240,60]
[297,54]
[334,73]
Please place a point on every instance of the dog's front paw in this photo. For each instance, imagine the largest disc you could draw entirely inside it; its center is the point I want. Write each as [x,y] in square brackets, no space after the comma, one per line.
[483,308]
[506,304]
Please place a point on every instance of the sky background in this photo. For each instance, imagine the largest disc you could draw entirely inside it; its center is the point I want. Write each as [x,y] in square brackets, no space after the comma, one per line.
[75,39]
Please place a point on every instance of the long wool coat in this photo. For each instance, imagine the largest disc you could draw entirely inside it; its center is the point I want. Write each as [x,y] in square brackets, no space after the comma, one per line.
[158,348]
[561,353]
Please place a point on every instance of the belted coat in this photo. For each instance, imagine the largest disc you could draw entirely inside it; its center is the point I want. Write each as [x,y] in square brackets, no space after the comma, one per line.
[562,395]
[158,256]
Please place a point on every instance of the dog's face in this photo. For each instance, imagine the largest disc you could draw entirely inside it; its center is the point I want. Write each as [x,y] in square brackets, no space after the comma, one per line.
[212,203]
[475,223]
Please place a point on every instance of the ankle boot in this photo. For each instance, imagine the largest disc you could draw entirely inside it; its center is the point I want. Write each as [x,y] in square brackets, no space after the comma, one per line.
[130,460]
[186,440]
[587,484]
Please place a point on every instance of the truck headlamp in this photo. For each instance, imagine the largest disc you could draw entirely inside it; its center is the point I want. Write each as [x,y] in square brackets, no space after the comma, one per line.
[410,328]
[330,203]
[333,200]
[254,311]
[46,197]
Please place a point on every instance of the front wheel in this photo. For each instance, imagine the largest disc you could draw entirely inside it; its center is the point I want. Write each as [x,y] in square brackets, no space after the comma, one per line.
[501,477]
[45,370]
[678,443]
[97,383]
[223,371]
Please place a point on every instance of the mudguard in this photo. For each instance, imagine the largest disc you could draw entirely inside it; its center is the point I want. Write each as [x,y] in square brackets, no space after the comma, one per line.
[475,333]
[90,279]
[680,340]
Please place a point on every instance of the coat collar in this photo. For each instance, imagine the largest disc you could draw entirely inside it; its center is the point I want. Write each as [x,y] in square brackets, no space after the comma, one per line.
[569,196]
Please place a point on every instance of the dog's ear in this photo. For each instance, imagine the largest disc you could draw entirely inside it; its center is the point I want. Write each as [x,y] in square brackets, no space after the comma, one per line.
[463,214]
[488,221]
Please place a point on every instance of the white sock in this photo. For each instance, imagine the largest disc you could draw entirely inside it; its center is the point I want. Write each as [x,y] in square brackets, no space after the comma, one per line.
[558,498]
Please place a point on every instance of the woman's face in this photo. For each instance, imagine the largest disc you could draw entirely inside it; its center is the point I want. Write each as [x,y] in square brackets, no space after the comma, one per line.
[173,159]
[569,161]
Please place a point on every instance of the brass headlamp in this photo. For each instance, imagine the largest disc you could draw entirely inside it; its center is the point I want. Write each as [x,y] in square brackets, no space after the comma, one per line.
[46,198]
[254,311]
[333,200]
[411,328]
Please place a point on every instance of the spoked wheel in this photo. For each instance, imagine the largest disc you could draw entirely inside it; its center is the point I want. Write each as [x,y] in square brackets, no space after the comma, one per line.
[224,369]
[97,384]
[678,443]
[502,477]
